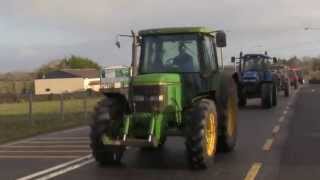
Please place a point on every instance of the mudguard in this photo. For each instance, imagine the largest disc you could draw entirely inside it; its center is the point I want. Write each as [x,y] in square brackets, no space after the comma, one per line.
[267,76]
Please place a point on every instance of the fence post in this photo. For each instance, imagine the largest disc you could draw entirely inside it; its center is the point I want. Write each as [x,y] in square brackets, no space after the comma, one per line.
[62,106]
[30,108]
[85,106]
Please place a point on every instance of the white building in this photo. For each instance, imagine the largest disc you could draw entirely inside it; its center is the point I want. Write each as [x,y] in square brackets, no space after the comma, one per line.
[68,81]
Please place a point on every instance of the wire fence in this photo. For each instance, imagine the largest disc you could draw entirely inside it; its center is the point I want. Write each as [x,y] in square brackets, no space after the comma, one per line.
[63,107]
[33,115]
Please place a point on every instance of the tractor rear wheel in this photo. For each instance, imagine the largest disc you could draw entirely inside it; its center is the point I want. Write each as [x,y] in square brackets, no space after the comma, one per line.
[202,134]
[295,85]
[287,90]
[242,101]
[274,95]
[266,95]
[228,138]
[107,120]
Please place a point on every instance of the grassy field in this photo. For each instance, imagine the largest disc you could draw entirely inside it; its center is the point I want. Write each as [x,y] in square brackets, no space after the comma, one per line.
[46,117]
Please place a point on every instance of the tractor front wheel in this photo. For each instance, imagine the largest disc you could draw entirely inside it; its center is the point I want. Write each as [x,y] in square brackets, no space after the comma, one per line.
[202,134]
[242,101]
[274,95]
[227,139]
[107,119]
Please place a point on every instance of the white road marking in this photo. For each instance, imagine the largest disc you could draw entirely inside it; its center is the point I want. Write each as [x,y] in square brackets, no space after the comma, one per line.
[51,134]
[59,138]
[276,129]
[88,157]
[267,145]
[281,119]
[285,112]
[46,146]
[55,142]
[253,172]
[65,170]
[36,157]
[45,151]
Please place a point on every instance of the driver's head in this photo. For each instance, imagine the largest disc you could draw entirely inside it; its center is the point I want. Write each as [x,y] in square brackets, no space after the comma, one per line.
[182,48]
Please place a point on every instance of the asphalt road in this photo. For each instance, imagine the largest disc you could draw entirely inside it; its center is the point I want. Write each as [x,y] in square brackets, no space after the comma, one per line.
[280,143]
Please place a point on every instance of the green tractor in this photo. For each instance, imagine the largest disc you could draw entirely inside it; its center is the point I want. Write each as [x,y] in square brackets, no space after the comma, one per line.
[177,88]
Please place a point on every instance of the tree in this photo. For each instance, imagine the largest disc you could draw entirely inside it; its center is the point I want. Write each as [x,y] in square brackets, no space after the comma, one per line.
[76,62]
[294,61]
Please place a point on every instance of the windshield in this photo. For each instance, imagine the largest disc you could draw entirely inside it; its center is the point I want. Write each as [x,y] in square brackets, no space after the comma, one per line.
[170,53]
[115,73]
[256,63]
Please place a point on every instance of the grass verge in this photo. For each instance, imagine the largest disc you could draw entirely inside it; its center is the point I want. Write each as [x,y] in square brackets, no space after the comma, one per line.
[46,117]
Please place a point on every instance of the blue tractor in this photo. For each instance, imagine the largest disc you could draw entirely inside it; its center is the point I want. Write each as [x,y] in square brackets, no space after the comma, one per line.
[255,79]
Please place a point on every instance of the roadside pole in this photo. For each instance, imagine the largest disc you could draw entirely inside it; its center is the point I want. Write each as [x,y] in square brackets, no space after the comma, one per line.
[62,107]
[85,106]
[30,108]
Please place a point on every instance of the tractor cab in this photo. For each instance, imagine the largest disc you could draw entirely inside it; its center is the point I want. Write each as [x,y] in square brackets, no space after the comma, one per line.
[256,62]
[185,57]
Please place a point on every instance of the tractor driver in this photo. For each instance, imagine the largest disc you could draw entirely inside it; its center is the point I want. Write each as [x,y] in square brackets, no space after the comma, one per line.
[183,60]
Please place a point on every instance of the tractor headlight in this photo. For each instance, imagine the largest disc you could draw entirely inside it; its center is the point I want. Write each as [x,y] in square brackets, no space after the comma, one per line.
[157,98]
[138,98]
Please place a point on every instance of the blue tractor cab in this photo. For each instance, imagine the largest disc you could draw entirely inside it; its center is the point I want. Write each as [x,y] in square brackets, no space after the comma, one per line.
[255,79]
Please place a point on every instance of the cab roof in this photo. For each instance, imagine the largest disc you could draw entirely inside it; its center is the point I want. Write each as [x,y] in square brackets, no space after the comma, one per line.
[256,55]
[176,30]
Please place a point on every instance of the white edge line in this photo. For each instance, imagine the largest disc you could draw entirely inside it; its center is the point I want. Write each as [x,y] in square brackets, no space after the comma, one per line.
[44,135]
[54,168]
[64,171]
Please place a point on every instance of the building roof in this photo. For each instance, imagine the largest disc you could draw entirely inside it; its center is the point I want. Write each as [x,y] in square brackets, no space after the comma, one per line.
[175,30]
[116,67]
[73,73]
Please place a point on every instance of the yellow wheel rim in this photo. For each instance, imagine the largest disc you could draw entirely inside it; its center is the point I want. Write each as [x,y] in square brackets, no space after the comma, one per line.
[211,135]
[231,124]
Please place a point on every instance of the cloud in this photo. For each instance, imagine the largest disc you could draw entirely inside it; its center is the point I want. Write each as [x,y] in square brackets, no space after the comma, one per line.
[89,27]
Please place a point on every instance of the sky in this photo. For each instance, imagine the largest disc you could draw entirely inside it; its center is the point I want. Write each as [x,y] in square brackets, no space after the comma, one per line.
[34,32]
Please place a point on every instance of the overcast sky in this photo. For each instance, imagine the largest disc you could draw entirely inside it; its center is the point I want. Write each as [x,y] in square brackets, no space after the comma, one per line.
[34,32]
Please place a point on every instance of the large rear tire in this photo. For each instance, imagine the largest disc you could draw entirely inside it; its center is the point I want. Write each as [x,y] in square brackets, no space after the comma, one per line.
[107,120]
[202,134]
[274,95]
[228,138]
[287,90]
[296,85]
[242,101]
[266,95]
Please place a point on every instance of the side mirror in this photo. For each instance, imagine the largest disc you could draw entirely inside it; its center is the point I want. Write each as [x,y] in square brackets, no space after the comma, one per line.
[221,39]
[275,60]
[118,44]
[233,59]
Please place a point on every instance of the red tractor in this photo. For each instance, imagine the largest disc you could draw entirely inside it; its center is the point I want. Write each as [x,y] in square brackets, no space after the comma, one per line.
[294,78]
[299,74]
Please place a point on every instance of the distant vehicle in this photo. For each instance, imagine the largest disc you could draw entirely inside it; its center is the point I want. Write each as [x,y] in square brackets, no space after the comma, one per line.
[294,78]
[299,74]
[256,79]
[114,77]
[282,78]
